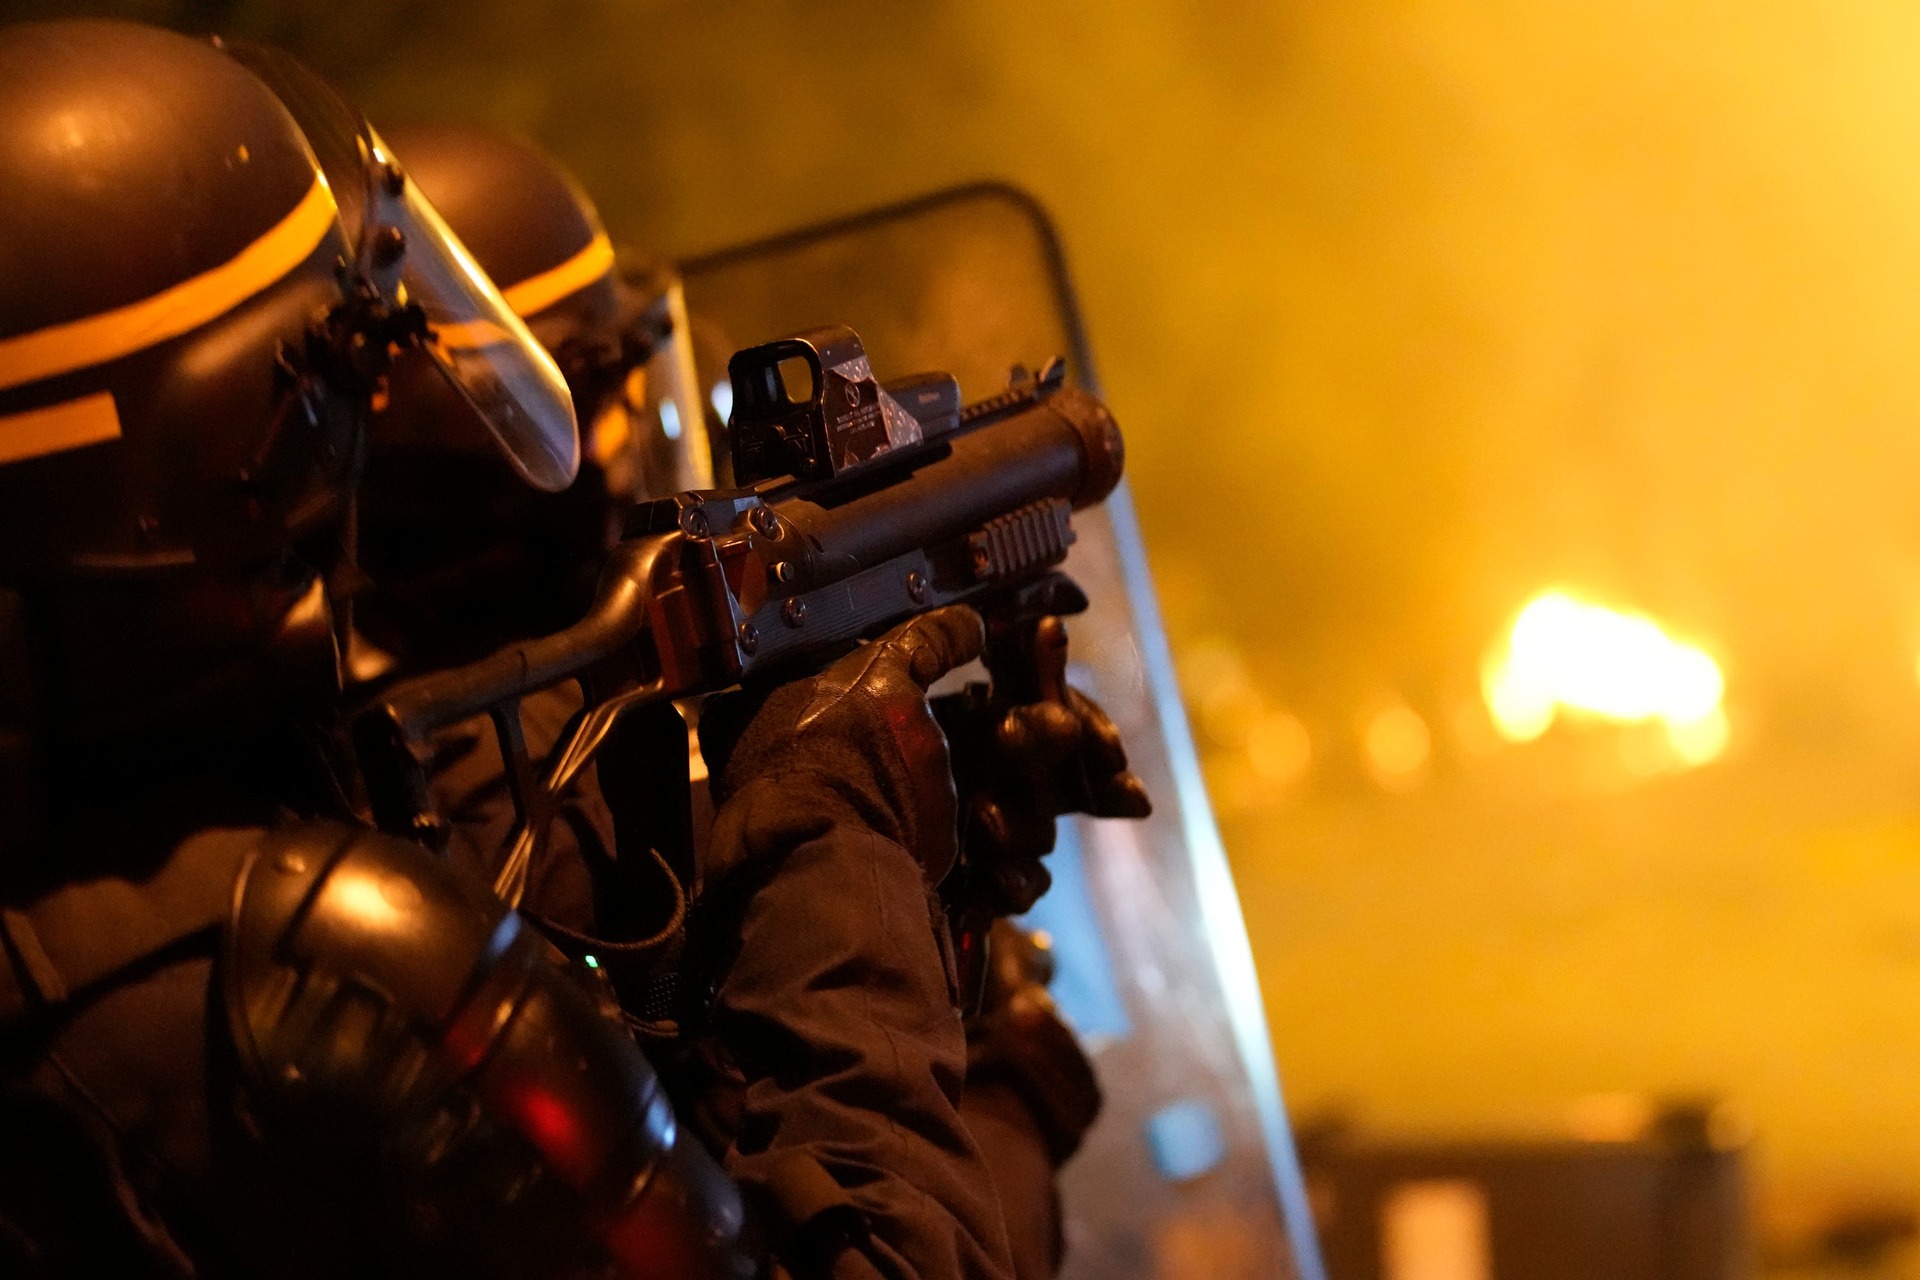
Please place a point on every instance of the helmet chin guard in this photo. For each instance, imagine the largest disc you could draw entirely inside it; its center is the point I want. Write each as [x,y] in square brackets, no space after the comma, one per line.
[405,256]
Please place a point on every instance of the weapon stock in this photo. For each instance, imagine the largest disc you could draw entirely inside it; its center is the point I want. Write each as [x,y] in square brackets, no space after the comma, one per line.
[710,588]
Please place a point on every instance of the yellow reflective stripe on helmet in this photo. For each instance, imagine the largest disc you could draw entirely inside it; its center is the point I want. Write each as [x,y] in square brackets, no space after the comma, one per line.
[58,427]
[537,293]
[96,339]
[470,335]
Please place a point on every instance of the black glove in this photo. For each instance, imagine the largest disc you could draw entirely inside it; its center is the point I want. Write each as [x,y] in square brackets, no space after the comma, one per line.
[1021,766]
[856,741]
[824,947]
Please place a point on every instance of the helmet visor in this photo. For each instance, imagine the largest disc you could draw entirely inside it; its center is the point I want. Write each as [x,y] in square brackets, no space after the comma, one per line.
[474,337]
[668,440]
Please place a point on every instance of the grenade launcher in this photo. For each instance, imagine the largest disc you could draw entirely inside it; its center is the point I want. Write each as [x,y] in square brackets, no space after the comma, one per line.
[859,504]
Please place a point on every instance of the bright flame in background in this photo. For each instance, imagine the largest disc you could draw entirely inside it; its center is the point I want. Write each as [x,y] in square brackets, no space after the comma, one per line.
[1566,654]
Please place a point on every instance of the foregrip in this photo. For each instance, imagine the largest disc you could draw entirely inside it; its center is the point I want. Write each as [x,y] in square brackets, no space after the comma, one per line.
[710,588]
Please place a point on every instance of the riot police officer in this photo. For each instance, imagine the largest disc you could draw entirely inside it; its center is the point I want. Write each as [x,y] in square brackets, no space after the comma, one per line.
[238,1035]
[622,337]
[876,1173]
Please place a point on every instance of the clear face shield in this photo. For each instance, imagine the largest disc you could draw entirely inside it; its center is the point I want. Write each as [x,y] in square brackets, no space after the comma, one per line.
[646,425]
[405,255]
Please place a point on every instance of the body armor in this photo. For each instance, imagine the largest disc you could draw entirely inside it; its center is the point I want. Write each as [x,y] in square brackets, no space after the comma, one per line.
[348,1058]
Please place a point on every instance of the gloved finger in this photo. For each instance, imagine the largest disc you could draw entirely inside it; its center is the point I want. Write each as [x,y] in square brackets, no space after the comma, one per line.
[1018,884]
[1030,831]
[1037,736]
[923,649]
[1050,658]
[1002,830]
[936,642]
[1120,795]
[986,835]
[1101,748]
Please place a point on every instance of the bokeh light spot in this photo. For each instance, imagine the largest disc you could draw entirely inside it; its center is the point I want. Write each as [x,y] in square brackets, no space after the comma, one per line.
[1279,748]
[1568,655]
[1397,744]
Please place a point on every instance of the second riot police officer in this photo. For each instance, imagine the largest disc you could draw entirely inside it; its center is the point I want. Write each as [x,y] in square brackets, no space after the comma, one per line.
[239,1035]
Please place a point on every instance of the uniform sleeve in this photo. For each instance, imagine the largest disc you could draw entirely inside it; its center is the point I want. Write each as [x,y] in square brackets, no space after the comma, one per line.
[837,1007]
[1031,1097]
[1002,1121]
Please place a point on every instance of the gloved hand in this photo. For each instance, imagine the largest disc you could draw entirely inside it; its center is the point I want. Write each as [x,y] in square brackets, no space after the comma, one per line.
[824,947]
[858,740]
[1020,767]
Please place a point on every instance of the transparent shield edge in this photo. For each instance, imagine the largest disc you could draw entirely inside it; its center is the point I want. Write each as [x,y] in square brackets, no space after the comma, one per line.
[1227,941]
[480,345]
[1227,936]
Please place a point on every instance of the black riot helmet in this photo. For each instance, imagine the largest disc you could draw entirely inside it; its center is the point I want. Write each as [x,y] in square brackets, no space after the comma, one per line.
[459,559]
[202,276]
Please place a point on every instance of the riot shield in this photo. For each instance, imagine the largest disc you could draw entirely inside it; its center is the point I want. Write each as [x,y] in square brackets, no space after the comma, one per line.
[1191,1170]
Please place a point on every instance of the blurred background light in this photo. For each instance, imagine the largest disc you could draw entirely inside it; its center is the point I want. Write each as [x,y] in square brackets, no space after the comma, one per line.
[1567,655]
[1279,748]
[1397,745]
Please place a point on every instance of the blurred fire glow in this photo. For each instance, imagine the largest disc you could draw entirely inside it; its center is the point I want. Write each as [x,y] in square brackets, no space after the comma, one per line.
[1397,744]
[1566,654]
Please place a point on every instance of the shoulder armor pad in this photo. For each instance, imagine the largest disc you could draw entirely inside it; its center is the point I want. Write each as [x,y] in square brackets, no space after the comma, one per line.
[398,1028]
